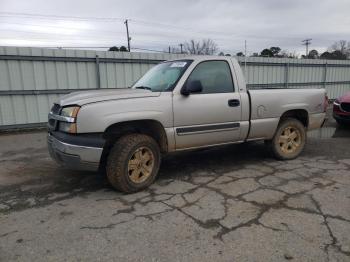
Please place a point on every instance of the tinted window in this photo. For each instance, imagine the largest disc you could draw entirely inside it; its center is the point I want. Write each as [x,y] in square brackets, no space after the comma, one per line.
[215,77]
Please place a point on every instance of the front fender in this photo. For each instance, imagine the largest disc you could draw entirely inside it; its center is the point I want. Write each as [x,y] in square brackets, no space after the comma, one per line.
[131,116]
[96,117]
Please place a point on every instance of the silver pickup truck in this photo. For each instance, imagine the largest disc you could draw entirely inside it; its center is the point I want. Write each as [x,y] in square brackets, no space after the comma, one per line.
[177,105]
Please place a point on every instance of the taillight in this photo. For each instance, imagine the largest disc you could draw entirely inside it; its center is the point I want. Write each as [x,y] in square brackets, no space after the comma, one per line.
[325,103]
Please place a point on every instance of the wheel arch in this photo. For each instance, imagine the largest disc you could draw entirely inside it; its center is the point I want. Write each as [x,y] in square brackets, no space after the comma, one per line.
[300,114]
[150,127]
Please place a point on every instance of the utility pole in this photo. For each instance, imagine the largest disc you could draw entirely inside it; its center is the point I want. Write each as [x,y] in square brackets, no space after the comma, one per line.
[127,33]
[181,45]
[306,43]
[245,60]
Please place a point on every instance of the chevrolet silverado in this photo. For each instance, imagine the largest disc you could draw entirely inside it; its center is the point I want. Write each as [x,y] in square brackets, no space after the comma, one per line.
[177,105]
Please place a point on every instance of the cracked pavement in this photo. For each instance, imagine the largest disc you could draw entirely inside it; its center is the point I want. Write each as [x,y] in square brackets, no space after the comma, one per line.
[233,203]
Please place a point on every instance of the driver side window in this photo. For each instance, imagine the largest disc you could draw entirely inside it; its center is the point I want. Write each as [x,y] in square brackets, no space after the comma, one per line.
[215,77]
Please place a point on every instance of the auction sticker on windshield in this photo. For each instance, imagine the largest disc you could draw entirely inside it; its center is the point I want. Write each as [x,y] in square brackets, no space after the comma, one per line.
[178,64]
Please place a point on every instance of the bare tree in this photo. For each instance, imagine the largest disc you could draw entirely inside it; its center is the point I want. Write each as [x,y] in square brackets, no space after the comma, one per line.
[342,46]
[339,45]
[193,47]
[286,54]
[204,47]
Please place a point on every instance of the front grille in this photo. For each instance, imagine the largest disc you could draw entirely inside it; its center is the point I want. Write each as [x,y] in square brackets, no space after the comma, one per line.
[52,123]
[345,107]
[56,108]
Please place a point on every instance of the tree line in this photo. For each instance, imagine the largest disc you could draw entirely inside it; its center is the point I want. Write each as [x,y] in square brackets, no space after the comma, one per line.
[340,50]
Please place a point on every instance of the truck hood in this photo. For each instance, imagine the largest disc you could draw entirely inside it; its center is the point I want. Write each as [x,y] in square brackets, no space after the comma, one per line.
[87,97]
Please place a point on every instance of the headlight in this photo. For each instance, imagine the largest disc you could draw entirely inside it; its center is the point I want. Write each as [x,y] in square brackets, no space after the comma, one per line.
[71,111]
[336,103]
[68,123]
[67,127]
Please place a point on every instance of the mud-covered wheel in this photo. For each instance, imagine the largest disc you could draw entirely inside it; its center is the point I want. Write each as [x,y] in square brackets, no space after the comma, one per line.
[133,163]
[289,139]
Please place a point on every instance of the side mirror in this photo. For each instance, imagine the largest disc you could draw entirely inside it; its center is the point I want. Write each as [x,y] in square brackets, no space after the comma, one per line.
[192,87]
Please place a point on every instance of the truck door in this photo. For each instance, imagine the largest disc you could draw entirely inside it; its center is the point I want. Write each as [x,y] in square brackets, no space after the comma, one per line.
[211,116]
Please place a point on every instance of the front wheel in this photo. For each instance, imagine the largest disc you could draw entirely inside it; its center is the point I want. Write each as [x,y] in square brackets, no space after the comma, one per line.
[133,163]
[289,139]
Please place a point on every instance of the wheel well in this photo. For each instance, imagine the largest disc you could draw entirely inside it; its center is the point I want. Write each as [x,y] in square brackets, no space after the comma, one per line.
[148,127]
[300,114]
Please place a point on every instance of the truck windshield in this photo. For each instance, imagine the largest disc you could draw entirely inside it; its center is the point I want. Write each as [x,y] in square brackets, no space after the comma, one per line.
[163,77]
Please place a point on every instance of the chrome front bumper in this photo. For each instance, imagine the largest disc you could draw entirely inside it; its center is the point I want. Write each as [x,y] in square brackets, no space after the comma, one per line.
[74,156]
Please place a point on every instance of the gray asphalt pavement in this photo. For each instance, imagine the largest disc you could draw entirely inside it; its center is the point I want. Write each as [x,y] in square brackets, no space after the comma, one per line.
[233,203]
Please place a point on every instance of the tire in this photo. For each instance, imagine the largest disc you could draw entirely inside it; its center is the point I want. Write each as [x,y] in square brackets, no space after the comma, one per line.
[133,163]
[287,146]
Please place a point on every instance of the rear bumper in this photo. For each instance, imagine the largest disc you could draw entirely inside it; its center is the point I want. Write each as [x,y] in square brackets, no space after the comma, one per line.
[316,120]
[73,154]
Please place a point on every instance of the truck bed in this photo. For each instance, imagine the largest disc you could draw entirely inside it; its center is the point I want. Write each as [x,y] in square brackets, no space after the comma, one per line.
[268,105]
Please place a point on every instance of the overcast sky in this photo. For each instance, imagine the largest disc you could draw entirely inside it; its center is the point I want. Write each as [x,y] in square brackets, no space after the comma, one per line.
[156,24]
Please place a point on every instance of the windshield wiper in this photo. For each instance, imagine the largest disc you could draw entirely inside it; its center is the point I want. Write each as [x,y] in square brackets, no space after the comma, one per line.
[143,87]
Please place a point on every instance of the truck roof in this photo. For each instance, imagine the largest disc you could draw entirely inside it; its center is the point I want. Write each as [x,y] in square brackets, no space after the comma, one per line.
[204,57]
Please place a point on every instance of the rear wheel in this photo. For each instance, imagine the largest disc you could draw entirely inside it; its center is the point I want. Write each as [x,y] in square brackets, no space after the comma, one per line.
[289,139]
[133,163]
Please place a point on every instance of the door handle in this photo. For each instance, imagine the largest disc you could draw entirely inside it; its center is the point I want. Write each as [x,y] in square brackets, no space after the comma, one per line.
[233,102]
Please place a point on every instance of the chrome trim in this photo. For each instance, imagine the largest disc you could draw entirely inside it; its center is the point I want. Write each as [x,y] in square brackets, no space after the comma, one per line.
[207,131]
[200,129]
[86,154]
[61,118]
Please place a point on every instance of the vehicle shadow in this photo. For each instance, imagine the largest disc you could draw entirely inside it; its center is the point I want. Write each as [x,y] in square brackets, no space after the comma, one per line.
[341,131]
[50,183]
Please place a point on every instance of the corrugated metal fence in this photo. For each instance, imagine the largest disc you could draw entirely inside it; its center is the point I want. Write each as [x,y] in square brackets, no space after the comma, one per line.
[31,79]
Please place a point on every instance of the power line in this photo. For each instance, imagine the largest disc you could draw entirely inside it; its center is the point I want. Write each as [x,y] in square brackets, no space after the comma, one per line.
[224,36]
[54,36]
[77,28]
[105,19]
[147,23]
[60,17]
[138,21]
[95,47]
[57,26]
[113,19]
[146,49]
